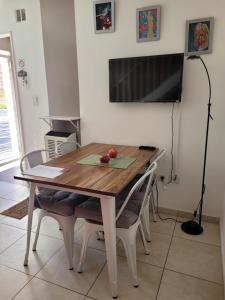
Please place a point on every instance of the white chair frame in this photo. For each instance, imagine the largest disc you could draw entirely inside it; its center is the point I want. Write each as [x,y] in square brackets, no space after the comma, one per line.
[146,213]
[127,236]
[66,223]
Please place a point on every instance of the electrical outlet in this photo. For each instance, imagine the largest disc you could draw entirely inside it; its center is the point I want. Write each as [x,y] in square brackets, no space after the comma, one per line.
[176,179]
[162,178]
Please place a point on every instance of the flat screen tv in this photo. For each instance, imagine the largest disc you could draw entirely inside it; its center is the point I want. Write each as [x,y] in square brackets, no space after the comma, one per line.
[146,79]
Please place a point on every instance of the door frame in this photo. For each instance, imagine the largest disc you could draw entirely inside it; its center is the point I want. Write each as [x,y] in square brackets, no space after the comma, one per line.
[16,95]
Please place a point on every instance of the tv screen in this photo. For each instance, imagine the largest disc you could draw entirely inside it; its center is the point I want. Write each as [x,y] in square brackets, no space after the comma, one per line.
[146,79]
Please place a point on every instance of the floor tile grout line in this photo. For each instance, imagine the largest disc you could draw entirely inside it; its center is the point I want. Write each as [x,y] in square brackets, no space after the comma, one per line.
[166,259]
[58,285]
[54,254]
[192,276]
[96,278]
[3,251]
[13,269]
[34,275]
[204,243]
[10,225]
[20,290]
[143,262]
[91,298]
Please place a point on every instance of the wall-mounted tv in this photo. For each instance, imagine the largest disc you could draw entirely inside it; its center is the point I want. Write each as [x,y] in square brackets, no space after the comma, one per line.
[146,79]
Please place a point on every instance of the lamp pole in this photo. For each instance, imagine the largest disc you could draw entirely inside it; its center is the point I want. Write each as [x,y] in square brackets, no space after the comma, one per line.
[192,227]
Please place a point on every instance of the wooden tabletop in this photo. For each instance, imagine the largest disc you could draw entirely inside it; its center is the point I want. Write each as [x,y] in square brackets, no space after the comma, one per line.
[95,179]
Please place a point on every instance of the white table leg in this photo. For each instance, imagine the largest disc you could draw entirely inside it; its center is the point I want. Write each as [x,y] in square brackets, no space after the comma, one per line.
[109,224]
[30,218]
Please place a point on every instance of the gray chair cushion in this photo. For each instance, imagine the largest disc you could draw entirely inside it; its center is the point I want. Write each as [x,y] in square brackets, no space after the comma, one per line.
[91,210]
[59,202]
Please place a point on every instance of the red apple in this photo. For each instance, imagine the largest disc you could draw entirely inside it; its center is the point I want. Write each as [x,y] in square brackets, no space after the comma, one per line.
[104,159]
[112,153]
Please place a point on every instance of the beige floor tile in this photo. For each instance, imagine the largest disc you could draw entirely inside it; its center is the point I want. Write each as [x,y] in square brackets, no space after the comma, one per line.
[40,290]
[18,195]
[50,227]
[158,247]
[93,241]
[176,286]
[14,256]
[5,204]
[196,259]
[164,227]
[9,235]
[56,270]
[149,277]
[11,282]
[6,188]
[1,217]
[210,235]
[22,223]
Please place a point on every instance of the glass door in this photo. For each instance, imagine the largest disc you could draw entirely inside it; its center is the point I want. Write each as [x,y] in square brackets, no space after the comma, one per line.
[9,146]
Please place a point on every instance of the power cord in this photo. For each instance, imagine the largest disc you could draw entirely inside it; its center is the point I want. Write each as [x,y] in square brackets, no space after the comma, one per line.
[172,146]
[157,204]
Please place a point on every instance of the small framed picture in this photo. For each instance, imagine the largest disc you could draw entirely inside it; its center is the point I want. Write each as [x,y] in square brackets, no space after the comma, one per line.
[104,16]
[148,23]
[199,35]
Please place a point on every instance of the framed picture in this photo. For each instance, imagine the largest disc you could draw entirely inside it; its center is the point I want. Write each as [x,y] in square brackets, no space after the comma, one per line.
[148,23]
[199,35]
[104,16]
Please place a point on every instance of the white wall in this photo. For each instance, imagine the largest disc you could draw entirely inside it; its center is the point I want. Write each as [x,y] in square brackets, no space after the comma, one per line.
[28,44]
[138,124]
[58,25]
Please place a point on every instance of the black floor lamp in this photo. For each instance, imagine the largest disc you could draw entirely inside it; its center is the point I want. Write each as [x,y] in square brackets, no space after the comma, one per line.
[193,227]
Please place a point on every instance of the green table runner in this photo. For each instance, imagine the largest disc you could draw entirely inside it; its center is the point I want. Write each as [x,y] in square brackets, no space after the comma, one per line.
[117,163]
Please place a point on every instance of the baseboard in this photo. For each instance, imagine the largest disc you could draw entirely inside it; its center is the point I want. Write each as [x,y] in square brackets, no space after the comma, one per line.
[222,240]
[188,215]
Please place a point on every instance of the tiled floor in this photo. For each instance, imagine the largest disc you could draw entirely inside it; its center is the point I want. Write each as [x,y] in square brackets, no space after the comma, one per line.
[179,266]
[11,190]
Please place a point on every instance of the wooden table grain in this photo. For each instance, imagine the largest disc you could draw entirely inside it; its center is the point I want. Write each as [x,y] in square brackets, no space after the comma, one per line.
[98,181]
[104,180]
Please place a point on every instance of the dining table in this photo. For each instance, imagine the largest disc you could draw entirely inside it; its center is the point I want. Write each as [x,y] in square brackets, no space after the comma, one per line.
[100,180]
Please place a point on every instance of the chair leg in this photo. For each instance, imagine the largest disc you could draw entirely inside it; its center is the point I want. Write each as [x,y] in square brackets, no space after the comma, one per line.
[147,252]
[146,222]
[67,225]
[128,237]
[153,208]
[41,215]
[88,230]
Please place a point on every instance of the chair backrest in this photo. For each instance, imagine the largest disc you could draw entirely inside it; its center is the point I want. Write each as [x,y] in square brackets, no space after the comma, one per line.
[159,155]
[147,175]
[67,147]
[157,158]
[33,159]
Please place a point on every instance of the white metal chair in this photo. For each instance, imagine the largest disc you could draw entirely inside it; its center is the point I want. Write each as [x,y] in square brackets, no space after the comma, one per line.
[56,204]
[67,147]
[127,221]
[146,214]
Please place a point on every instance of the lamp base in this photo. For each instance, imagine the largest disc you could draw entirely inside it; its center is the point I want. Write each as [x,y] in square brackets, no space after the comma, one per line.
[192,227]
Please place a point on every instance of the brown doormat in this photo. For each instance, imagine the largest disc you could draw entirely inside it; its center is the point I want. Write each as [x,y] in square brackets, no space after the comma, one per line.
[17,211]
